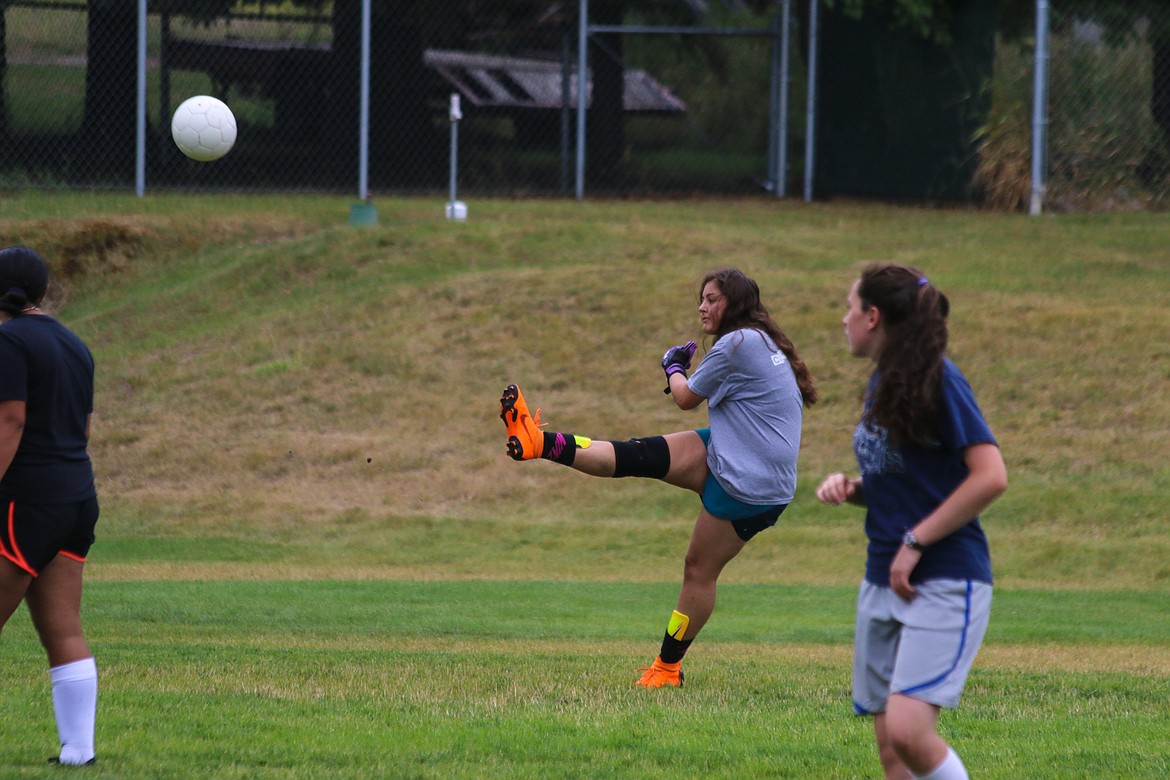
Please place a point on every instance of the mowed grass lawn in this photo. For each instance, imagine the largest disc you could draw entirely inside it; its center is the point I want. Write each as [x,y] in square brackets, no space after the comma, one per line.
[316,561]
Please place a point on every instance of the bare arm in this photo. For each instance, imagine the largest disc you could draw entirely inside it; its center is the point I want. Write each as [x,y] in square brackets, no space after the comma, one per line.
[838,489]
[682,393]
[986,481]
[11,429]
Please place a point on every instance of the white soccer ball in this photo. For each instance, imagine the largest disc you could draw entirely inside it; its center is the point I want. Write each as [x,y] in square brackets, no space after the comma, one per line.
[204,128]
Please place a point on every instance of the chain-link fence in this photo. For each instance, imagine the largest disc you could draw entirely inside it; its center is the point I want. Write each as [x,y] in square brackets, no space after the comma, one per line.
[668,112]
[672,114]
[1107,114]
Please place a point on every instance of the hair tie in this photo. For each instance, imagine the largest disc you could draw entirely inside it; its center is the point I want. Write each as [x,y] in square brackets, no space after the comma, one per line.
[923,280]
[15,289]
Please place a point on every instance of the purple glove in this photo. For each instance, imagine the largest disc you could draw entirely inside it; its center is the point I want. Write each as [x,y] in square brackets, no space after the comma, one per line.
[677,360]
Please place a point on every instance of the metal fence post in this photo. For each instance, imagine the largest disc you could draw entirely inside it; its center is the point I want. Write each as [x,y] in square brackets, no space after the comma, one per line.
[140,109]
[456,209]
[582,86]
[778,113]
[364,119]
[1040,111]
[811,104]
[364,212]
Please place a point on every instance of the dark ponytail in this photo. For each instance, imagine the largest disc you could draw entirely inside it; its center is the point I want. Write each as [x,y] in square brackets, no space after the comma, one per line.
[14,301]
[24,279]
[905,400]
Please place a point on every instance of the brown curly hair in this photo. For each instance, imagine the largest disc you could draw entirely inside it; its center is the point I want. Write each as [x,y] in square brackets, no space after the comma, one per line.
[905,399]
[745,310]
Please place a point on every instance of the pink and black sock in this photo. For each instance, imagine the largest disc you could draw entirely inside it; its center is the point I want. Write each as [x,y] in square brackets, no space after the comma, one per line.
[560,447]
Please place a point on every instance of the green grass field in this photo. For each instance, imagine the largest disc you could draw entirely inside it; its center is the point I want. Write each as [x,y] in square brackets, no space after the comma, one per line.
[316,561]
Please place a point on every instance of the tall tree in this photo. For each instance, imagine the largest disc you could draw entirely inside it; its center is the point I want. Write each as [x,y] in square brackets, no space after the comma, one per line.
[899,103]
[1121,20]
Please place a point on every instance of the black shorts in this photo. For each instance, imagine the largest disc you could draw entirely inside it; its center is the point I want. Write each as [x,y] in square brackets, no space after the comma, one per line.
[32,535]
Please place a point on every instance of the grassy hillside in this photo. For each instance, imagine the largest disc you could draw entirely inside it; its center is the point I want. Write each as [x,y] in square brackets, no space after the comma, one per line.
[282,395]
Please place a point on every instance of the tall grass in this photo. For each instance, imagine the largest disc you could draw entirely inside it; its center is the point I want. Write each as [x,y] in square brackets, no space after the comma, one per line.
[264,375]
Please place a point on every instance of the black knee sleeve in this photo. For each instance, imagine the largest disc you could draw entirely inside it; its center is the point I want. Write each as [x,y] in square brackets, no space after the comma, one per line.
[648,457]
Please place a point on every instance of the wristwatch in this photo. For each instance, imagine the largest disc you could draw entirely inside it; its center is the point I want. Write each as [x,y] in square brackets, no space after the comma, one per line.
[911,541]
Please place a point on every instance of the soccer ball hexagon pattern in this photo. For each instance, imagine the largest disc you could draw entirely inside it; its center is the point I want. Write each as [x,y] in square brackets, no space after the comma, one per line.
[204,128]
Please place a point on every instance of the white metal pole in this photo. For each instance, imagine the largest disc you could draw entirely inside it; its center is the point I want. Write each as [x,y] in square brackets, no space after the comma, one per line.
[582,91]
[810,124]
[456,209]
[364,110]
[1040,112]
[454,116]
[140,110]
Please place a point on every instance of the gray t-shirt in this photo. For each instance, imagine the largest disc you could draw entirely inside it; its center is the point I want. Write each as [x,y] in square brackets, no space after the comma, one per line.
[755,409]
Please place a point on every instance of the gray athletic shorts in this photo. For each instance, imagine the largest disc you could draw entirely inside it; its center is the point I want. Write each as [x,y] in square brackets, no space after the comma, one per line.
[922,648]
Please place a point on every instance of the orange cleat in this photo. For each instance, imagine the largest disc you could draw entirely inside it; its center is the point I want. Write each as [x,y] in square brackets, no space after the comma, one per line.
[525,439]
[660,674]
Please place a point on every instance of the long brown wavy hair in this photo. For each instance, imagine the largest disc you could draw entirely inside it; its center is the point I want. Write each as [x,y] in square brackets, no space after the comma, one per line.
[745,310]
[905,400]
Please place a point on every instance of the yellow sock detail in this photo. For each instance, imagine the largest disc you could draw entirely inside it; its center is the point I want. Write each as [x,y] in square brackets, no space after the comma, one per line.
[677,627]
[582,442]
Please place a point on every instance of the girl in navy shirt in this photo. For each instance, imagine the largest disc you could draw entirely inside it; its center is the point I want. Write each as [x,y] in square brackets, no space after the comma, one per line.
[929,465]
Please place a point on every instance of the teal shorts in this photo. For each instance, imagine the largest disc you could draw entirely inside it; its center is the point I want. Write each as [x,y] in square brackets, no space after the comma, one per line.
[747,519]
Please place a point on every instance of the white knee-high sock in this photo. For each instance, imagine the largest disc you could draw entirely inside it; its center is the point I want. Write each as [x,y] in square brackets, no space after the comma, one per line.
[75,704]
[950,769]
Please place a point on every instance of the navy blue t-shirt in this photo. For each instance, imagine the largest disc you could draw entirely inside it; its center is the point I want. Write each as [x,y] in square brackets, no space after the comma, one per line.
[47,366]
[905,484]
